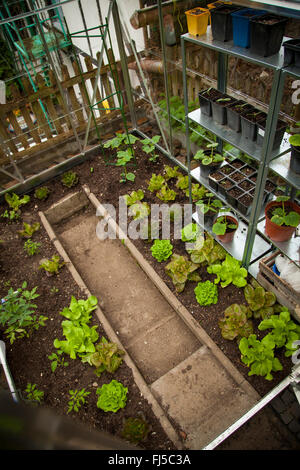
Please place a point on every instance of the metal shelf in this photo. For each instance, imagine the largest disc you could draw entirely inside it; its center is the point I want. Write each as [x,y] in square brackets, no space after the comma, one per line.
[274,62]
[237,246]
[281,166]
[235,138]
[291,248]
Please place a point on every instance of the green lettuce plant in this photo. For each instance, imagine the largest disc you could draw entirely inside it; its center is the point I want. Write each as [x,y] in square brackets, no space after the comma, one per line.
[181,270]
[207,251]
[260,301]
[70,179]
[134,197]
[206,293]
[156,182]
[31,247]
[284,331]
[139,211]
[14,202]
[236,323]
[51,266]
[112,396]
[182,182]
[135,430]
[171,172]
[166,194]
[107,357]
[229,271]
[259,356]
[190,233]
[198,192]
[42,193]
[29,230]
[161,250]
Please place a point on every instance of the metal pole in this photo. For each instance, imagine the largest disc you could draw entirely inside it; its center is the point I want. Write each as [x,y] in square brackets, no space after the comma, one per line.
[186,111]
[166,81]
[7,373]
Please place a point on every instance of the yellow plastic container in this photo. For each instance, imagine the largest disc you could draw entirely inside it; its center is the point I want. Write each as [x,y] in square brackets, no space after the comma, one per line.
[197,22]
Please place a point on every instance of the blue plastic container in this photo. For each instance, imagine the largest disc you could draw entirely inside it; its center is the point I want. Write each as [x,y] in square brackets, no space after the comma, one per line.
[241,25]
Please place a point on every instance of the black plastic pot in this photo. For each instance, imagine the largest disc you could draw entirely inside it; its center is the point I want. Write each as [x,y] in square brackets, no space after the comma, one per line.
[224,189]
[213,180]
[221,22]
[227,169]
[246,185]
[206,169]
[237,177]
[233,194]
[237,164]
[248,171]
[266,34]
[249,123]
[234,115]
[219,109]
[292,52]
[205,99]
[279,133]
[244,203]
[295,160]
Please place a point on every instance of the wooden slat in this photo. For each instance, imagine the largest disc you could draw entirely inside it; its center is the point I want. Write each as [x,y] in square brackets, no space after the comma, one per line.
[18,131]
[26,115]
[72,95]
[89,66]
[82,88]
[65,119]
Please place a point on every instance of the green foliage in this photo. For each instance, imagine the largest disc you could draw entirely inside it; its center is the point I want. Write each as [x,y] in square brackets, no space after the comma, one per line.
[284,331]
[78,398]
[31,247]
[171,172]
[42,193]
[33,393]
[70,179]
[148,146]
[259,356]
[294,140]
[107,357]
[209,203]
[139,211]
[135,430]
[120,140]
[236,323]
[198,192]
[80,338]
[112,396]
[161,250]
[222,224]
[182,182]
[229,271]
[123,143]
[166,194]
[260,301]
[57,360]
[29,230]
[207,251]
[206,293]
[181,270]
[214,157]
[18,313]
[190,233]
[281,216]
[156,182]
[52,266]
[134,197]
[14,202]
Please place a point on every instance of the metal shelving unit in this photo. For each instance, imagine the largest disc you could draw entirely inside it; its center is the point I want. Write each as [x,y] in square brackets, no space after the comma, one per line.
[252,241]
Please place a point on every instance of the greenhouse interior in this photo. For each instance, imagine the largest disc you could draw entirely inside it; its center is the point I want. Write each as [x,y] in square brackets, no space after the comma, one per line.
[150,226]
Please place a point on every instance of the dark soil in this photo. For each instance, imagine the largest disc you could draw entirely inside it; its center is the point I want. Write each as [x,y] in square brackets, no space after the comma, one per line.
[237,177]
[237,164]
[235,193]
[246,185]
[216,176]
[246,200]
[248,171]
[28,357]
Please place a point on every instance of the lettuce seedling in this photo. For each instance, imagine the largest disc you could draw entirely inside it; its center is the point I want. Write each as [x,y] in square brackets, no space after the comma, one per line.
[51,266]
[260,301]
[284,331]
[206,293]
[166,194]
[171,172]
[190,233]
[107,357]
[259,356]
[229,271]
[198,192]
[29,230]
[135,430]
[14,202]
[236,323]
[181,270]
[42,193]
[161,250]
[156,182]
[70,179]
[182,182]
[112,396]
[207,251]
[134,197]
[31,247]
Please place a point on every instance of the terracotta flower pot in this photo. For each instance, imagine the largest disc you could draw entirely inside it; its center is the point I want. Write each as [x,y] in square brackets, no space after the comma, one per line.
[276,232]
[228,236]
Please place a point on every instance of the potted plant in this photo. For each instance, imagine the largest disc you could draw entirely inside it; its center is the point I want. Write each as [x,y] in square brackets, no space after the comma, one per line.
[225,227]
[206,97]
[209,159]
[294,140]
[266,34]
[249,120]
[208,206]
[219,108]
[282,218]
[279,133]
[234,111]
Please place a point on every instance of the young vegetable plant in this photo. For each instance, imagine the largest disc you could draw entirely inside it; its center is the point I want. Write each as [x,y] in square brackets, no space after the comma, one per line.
[14,202]
[123,144]
[166,194]
[57,360]
[33,393]
[156,182]
[281,216]
[207,251]
[260,301]
[78,398]
[51,266]
[209,204]
[17,313]
[171,172]
[222,224]
[213,157]
[198,192]
[148,146]
[135,430]
[181,270]
[190,233]
[137,209]
[236,323]
[206,293]
[112,396]
[29,230]
[32,248]
[42,193]
[229,271]
[182,182]
[161,250]
[70,179]
[107,357]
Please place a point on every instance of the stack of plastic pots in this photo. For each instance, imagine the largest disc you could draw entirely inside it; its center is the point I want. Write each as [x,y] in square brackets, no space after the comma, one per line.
[241,25]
